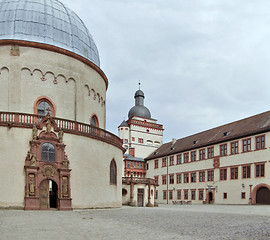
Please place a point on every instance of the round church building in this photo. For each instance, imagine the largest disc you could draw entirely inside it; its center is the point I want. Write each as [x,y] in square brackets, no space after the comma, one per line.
[55,151]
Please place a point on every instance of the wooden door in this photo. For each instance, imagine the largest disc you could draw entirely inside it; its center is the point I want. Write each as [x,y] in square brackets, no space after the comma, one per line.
[140,197]
[44,194]
[263,196]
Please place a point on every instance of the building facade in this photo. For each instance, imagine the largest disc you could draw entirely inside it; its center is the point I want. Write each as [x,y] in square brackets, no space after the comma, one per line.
[225,165]
[55,151]
[141,135]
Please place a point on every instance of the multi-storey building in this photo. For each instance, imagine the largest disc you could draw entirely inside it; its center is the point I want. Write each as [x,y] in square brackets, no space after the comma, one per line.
[141,135]
[225,165]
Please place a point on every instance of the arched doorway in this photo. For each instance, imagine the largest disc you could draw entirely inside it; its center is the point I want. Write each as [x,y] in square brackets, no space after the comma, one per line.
[48,194]
[210,197]
[263,196]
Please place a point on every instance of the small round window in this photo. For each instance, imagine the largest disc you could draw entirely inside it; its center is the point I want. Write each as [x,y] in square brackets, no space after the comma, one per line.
[124,191]
[44,109]
[47,152]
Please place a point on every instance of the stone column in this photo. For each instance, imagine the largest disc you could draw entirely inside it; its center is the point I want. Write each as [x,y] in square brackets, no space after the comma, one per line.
[131,203]
[149,204]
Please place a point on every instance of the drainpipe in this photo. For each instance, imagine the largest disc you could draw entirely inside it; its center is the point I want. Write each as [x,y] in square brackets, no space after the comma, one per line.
[167,163]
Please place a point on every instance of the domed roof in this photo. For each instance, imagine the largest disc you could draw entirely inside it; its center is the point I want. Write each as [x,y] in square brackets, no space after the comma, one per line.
[49,22]
[139,111]
[139,93]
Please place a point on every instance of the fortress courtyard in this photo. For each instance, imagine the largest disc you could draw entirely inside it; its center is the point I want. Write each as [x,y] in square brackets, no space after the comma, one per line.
[165,222]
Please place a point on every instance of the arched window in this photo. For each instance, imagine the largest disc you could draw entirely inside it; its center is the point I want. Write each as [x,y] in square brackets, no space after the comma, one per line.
[94,121]
[113,173]
[47,152]
[43,106]
[44,109]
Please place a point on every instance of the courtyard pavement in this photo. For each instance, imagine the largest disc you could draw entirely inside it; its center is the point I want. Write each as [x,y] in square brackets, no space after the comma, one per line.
[165,222]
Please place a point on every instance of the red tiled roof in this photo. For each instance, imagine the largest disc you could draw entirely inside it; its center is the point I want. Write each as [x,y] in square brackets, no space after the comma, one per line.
[246,127]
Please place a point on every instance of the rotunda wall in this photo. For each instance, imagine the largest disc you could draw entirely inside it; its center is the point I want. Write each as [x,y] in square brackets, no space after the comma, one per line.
[89,164]
[77,90]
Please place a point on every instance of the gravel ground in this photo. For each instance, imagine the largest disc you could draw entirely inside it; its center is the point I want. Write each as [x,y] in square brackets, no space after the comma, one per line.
[164,222]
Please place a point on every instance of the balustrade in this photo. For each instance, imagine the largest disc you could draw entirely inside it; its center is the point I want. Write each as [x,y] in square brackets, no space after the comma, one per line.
[73,127]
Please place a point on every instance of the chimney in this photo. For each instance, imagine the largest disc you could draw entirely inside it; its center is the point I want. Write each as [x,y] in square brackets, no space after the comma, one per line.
[173,141]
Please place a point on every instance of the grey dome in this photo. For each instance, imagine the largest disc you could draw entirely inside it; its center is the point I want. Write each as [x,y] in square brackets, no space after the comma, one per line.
[49,22]
[139,93]
[139,111]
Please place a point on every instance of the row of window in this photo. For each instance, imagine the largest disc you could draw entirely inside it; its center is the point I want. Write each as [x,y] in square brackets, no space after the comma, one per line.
[45,107]
[140,140]
[137,165]
[191,177]
[192,195]
[209,152]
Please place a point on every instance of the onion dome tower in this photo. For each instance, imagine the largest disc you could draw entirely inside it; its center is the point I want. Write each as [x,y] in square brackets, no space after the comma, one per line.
[139,110]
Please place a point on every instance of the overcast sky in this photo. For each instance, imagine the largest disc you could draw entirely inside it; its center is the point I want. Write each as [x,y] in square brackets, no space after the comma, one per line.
[201,63]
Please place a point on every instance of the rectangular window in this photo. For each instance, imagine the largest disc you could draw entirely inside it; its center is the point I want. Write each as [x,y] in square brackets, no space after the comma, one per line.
[171,178]
[193,195]
[224,195]
[234,147]
[179,159]
[164,179]
[156,163]
[156,179]
[171,160]
[178,194]
[186,177]
[210,175]
[164,162]
[133,138]
[247,145]
[223,174]
[178,178]
[186,194]
[259,170]
[202,154]
[156,194]
[260,142]
[193,156]
[234,172]
[193,177]
[170,195]
[200,194]
[164,194]
[210,152]
[243,195]
[223,150]
[186,157]
[246,171]
[140,140]
[202,176]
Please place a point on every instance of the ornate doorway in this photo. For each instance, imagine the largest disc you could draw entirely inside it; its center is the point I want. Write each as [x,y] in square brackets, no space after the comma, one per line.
[263,196]
[47,170]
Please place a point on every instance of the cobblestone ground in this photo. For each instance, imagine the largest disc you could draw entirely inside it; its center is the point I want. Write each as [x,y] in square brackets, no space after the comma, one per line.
[165,222]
